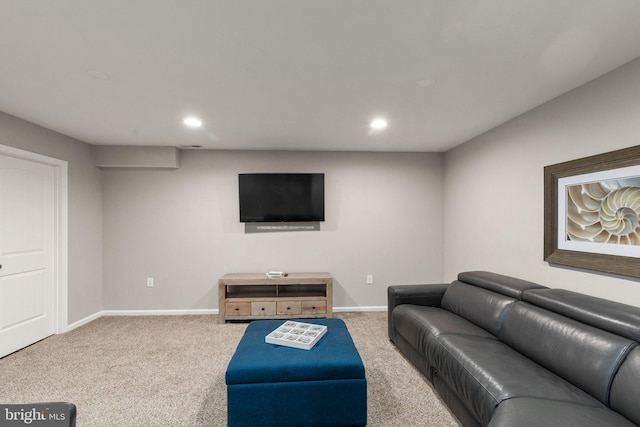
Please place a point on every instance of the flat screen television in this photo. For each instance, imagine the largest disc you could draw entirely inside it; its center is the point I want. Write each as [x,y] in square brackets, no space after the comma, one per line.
[281,197]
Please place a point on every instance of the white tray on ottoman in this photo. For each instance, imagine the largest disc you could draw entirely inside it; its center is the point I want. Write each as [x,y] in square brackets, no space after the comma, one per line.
[296,334]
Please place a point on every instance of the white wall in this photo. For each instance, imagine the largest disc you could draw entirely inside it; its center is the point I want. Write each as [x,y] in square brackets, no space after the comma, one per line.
[494,184]
[85,209]
[383,217]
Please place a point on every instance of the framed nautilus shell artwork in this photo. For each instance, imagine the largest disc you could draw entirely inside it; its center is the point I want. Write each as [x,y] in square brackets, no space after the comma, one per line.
[592,212]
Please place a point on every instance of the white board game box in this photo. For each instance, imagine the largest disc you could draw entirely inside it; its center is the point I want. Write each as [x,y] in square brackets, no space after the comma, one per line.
[296,334]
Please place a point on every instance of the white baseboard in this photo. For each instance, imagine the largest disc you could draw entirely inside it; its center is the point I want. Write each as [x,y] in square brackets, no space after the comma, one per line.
[368,308]
[102,313]
[84,321]
[159,312]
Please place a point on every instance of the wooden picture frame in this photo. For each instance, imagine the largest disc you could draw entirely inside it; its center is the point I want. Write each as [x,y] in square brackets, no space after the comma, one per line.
[553,197]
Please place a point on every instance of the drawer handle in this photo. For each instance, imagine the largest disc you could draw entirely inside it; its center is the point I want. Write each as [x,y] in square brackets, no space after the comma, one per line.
[262,309]
[288,308]
[314,307]
[237,309]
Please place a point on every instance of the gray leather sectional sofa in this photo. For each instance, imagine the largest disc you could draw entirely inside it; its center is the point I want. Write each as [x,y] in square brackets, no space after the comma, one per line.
[501,351]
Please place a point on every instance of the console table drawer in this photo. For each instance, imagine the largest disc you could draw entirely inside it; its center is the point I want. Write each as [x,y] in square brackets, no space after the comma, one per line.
[314,307]
[263,308]
[238,308]
[289,307]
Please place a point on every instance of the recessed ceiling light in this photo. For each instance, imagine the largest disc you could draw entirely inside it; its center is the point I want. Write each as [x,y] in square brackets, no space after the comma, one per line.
[192,122]
[426,82]
[97,74]
[378,124]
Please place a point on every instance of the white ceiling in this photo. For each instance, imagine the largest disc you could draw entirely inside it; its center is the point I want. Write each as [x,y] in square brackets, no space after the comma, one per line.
[301,74]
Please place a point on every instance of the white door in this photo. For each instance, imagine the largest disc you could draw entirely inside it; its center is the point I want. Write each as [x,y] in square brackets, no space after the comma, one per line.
[27,215]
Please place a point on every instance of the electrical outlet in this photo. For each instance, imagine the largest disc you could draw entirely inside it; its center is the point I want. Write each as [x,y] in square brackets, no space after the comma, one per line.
[369,279]
[149,282]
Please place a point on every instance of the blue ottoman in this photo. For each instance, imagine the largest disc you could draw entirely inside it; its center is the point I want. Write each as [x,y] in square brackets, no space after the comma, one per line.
[271,385]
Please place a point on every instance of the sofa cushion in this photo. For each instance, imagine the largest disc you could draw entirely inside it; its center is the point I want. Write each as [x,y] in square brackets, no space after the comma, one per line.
[484,372]
[417,326]
[505,285]
[482,307]
[620,319]
[408,319]
[626,387]
[583,355]
[527,412]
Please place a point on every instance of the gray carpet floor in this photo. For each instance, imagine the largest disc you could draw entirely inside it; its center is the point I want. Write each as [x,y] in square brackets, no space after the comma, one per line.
[169,371]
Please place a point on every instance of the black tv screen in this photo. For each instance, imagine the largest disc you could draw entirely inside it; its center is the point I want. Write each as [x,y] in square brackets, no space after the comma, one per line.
[281,197]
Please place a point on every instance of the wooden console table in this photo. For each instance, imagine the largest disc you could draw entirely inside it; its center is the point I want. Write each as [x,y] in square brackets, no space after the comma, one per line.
[245,296]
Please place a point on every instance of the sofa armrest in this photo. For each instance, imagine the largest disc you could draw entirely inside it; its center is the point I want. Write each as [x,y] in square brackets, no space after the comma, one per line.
[430,295]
